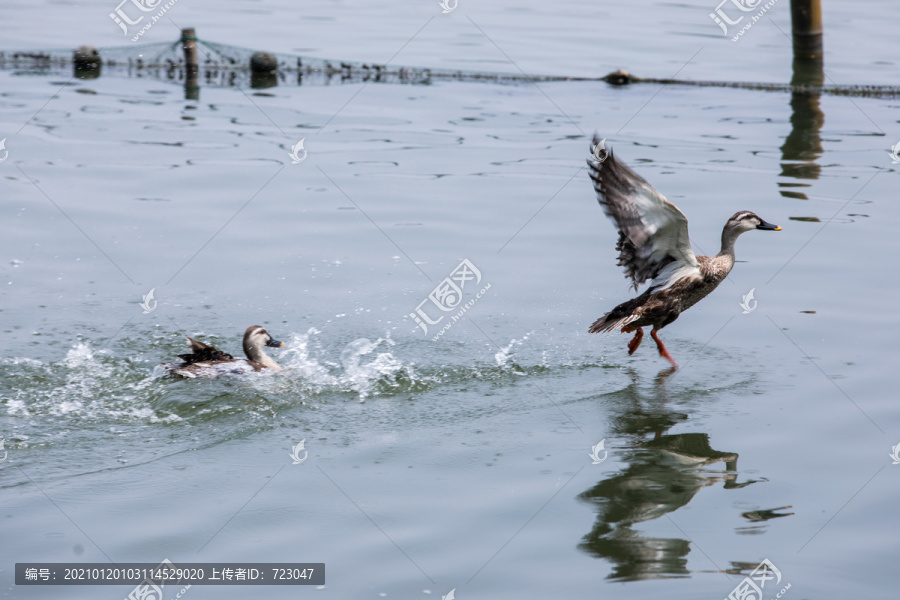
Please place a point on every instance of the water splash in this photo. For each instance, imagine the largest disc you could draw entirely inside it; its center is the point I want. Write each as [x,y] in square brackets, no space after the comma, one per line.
[85,385]
[297,359]
[124,384]
[363,378]
[80,356]
[504,355]
[353,374]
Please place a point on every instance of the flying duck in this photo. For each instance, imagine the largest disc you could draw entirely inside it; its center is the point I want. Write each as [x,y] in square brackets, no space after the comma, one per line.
[653,244]
[207,362]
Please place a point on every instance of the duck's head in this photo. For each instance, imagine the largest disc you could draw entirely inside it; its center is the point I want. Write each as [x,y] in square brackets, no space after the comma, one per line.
[745,221]
[255,338]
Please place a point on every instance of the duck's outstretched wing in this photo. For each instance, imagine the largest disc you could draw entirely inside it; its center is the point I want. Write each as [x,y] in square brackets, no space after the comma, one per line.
[201,352]
[653,233]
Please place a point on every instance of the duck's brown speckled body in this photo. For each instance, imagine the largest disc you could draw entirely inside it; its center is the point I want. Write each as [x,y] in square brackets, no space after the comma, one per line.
[654,244]
[205,361]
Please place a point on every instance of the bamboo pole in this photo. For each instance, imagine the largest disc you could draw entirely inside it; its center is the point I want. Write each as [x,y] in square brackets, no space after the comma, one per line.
[806,25]
[191,64]
[189,43]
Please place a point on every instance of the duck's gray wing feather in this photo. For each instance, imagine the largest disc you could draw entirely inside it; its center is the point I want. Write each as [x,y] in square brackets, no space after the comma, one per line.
[653,233]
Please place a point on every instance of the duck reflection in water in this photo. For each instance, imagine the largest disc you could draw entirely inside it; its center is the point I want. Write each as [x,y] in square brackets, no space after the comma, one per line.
[664,473]
[663,476]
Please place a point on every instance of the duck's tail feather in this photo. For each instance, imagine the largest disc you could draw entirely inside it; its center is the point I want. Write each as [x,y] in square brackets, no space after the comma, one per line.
[605,324]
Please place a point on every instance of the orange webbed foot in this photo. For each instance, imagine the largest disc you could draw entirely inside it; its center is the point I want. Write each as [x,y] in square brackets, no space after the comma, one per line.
[636,340]
[662,349]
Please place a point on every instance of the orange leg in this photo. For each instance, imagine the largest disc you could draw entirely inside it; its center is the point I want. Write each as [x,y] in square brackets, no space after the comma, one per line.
[662,348]
[636,340]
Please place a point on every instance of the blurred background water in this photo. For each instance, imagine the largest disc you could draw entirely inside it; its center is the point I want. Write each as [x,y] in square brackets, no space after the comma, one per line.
[462,462]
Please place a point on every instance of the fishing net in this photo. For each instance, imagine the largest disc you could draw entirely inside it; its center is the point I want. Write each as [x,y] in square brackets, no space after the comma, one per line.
[227,65]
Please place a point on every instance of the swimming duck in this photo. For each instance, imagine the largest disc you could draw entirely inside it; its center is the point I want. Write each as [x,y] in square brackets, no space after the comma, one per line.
[654,244]
[205,361]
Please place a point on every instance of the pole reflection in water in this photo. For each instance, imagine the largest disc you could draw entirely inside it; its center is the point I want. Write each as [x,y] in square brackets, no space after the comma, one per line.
[803,145]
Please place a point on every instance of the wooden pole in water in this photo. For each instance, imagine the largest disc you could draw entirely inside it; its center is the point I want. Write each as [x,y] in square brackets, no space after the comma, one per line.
[806,25]
[191,64]
[189,43]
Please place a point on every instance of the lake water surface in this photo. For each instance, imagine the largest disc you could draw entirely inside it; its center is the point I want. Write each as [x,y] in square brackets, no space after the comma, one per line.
[462,462]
